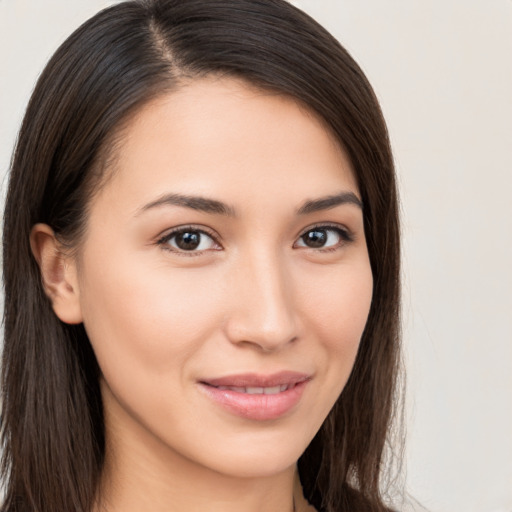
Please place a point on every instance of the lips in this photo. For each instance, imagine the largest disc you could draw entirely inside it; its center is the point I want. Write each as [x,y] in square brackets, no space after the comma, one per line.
[257,397]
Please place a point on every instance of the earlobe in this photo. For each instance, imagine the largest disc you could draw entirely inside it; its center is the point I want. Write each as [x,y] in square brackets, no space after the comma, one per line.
[58,274]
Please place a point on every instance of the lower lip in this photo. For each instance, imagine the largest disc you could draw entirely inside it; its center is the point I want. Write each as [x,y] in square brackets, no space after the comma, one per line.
[259,407]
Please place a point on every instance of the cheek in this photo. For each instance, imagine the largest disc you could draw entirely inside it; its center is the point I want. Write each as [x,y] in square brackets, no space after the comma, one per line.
[139,316]
[338,302]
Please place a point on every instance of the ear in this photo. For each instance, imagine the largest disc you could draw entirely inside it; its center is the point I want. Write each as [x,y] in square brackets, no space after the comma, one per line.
[58,273]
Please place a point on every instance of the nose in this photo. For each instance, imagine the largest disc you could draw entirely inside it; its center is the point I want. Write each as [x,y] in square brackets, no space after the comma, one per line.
[262,312]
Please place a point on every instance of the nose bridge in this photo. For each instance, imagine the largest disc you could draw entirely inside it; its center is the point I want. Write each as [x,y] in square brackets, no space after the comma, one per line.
[263,311]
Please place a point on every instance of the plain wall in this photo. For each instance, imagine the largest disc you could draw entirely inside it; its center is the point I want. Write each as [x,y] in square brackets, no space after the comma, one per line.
[443,72]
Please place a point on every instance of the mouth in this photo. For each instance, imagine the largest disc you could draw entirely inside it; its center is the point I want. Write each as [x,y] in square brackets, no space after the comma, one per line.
[257,397]
[257,390]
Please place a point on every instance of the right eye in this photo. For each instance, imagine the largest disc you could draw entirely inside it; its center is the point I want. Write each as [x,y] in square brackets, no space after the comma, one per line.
[188,240]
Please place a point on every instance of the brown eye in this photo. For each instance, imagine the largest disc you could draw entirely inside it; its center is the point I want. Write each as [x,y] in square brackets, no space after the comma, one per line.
[315,238]
[323,237]
[189,240]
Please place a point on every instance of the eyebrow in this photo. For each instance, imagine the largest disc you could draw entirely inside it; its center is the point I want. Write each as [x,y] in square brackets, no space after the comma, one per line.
[213,206]
[202,204]
[328,202]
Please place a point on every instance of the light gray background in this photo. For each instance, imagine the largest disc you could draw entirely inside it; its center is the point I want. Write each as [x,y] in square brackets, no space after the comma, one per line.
[443,72]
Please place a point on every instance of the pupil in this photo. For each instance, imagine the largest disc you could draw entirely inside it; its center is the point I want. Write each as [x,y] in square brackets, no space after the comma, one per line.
[188,241]
[316,238]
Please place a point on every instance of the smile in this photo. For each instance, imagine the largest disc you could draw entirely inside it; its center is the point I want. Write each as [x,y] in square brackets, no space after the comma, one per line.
[257,397]
[256,390]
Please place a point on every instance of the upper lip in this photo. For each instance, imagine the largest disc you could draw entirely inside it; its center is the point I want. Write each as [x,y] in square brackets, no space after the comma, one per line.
[258,380]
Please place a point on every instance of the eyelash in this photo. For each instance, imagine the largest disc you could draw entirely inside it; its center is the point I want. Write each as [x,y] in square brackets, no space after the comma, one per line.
[345,235]
[164,240]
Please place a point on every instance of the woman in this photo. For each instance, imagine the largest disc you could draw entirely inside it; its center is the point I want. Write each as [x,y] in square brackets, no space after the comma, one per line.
[201,264]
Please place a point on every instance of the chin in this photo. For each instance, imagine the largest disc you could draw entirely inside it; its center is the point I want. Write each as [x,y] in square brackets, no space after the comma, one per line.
[250,466]
[257,456]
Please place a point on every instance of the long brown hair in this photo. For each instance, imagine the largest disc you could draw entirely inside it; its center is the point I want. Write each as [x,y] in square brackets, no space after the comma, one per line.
[52,420]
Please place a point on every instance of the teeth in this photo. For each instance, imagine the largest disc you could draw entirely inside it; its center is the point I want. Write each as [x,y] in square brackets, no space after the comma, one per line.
[256,390]
[272,391]
[232,388]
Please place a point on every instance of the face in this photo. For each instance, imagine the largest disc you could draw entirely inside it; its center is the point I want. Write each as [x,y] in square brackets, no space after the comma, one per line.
[224,279]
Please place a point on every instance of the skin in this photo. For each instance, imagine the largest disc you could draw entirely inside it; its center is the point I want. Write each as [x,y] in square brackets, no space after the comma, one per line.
[252,298]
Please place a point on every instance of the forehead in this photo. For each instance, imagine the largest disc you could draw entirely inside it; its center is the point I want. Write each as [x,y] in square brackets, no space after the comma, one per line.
[222,135]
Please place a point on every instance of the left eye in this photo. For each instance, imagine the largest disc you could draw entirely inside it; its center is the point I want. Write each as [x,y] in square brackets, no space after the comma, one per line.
[322,237]
[189,240]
